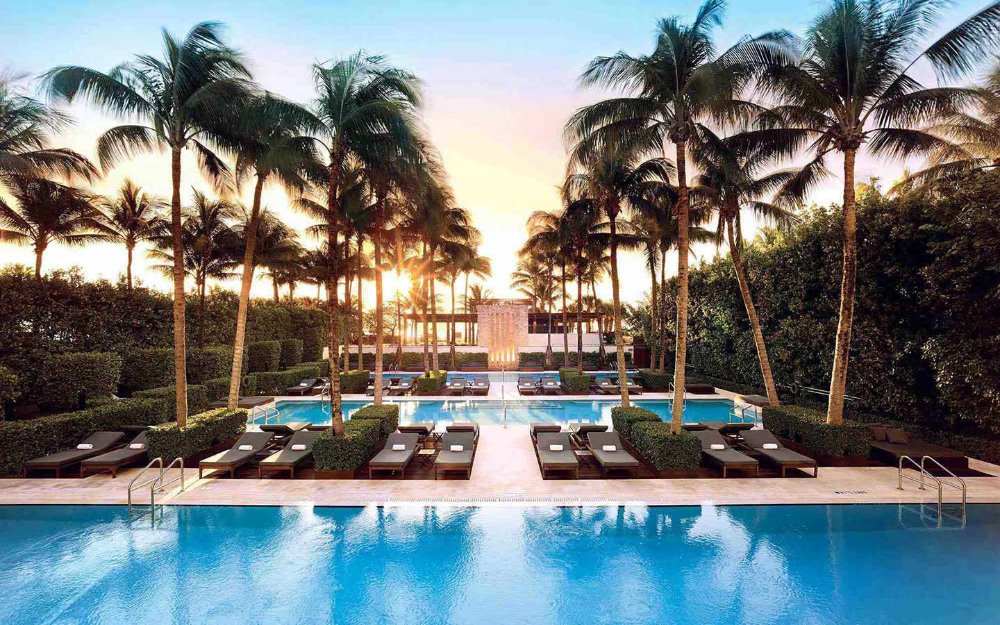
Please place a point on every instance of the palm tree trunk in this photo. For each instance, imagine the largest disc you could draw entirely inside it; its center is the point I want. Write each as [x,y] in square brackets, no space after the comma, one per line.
[128,265]
[680,343]
[662,336]
[579,320]
[39,250]
[239,341]
[201,311]
[758,334]
[617,311]
[180,346]
[361,312]
[436,364]
[454,358]
[347,303]
[600,322]
[333,318]
[379,323]
[423,313]
[565,320]
[275,288]
[653,312]
[465,308]
[842,348]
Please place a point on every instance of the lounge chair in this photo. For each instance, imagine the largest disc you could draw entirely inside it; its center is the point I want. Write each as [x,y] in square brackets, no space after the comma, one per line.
[555,453]
[767,445]
[480,385]
[579,431]
[464,426]
[422,429]
[399,451]
[722,427]
[715,447]
[893,443]
[245,450]
[94,445]
[305,387]
[527,385]
[610,453]
[537,427]
[282,431]
[111,461]
[606,386]
[402,386]
[298,449]
[549,385]
[633,386]
[458,451]
[455,385]
[386,385]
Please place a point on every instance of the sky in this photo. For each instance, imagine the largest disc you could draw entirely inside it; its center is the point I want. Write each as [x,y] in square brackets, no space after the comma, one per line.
[500,81]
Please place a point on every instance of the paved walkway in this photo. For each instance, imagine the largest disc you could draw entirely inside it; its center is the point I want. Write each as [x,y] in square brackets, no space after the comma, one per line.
[506,471]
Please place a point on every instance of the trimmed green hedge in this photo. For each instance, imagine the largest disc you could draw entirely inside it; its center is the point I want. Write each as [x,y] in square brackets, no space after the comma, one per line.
[21,441]
[144,369]
[263,356]
[206,364]
[665,450]
[8,386]
[203,431]
[65,375]
[313,340]
[354,381]
[574,381]
[386,414]
[197,396]
[430,385]
[291,353]
[808,426]
[622,418]
[655,380]
[348,452]
[275,382]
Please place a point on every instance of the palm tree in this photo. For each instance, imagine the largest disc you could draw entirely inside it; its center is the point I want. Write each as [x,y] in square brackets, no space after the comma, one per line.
[667,94]
[472,265]
[270,148]
[852,87]
[360,101]
[132,216]
[545,243]
[46,212]
[209,244]
[25,126]
[183,99]
[580,227]
[610,179]
[277,246]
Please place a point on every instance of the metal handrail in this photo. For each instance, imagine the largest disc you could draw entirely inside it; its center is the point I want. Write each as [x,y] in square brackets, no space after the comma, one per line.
[961,485]
[133,486]
[938,482]
[163,485]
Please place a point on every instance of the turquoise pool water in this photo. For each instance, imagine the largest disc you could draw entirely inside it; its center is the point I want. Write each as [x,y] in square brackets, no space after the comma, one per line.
[761,565]
[492,411]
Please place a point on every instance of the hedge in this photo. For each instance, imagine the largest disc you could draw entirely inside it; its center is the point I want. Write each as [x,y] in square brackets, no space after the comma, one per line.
[663,449]
[197,396]
[218,388]
[386,414]
[21,441]
[149,368]
[313,342]
[208,363]
[354,381]
[203,431]
[275,382]
[348,452]
[263,356]
[809,427]
[656,380]
[622,418]
[66,375]
[291,353]
[8,386]
[430,385]
[574,381]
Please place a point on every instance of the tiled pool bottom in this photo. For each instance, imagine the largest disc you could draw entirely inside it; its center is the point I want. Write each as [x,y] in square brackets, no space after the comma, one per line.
[528,565]
[497,412]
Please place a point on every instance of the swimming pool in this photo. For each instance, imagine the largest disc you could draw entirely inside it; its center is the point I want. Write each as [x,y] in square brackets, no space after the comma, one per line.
[773,565]
[492,411]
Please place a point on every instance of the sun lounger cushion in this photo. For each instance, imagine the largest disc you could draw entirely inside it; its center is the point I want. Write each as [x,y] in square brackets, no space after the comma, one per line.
[551,457]
[399,458]
[100,441]
[896,435]
[878,433]
[618,458]
[448,458]
[290,456]
[256,441]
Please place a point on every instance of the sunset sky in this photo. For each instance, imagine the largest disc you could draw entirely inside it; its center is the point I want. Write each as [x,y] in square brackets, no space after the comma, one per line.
[500,78]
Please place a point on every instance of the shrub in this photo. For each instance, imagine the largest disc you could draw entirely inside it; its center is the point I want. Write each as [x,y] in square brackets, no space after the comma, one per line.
[622,418]
[386,414]
[430,385]
[218,388]
[197,396]
[203,431]
[21,441]
[664,450]
[291,353]
[809,427]
[147,368]
[569,371]
[655,380]
[263,356]
[348,452]
[313,340]
[205,364]
[575,383]
[354,381]
[65,375]
[275,382]
[8,386]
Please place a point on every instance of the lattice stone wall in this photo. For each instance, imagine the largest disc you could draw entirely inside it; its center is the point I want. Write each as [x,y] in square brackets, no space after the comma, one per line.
[502,328]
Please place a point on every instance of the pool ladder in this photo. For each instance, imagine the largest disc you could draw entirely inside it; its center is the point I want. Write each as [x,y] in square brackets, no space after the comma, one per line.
[262,412]
[684,399]
[157,484]
[925,475]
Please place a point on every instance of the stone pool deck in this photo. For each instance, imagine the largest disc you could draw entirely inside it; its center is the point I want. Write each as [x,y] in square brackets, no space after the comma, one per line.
[506,472]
